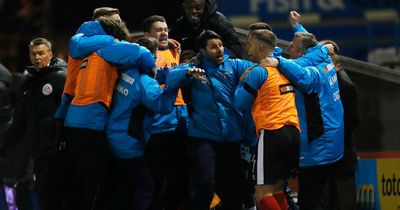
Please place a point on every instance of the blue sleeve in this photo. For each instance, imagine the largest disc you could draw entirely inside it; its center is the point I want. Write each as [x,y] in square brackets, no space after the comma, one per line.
[299,28]
[155,98]
[242,65]
[177,77]
[121,53]
[62,109]
[246,92]
[277,51]
[91,28]
[314,56]
[304,78]
[146,60]
[81,46]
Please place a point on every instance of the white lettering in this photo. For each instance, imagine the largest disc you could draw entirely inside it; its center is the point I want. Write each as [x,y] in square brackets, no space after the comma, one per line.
[336,95]
[127,78]
[332,80]
[124,91]
[329,67]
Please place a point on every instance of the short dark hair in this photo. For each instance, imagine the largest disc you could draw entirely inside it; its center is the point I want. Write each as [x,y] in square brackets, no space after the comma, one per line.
[150,20]
[114,28]
[259,25]
[104,11]
[39,41]
[205,36]
[148,42]
[307,40]
[265,36]
[336,48]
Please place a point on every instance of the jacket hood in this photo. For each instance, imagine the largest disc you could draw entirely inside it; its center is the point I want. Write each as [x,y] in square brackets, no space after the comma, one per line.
[91,28]
[323,51]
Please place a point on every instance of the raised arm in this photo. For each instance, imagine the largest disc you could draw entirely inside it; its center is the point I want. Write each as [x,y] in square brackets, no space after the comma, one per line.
[89,38]
[294,19]
[125,53]
[305,79]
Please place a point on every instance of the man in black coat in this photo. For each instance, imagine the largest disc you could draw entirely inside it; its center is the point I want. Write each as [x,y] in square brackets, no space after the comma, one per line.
[340,193]
[33,123]
[200,15]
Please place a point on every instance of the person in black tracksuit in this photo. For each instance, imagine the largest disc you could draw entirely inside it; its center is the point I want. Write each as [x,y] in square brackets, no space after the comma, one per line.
[34,125]
[5,121]
[200,15]
[340,193]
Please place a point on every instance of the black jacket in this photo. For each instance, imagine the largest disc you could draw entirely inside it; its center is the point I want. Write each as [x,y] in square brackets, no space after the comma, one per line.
[35,107]
[351,107]
[213,20]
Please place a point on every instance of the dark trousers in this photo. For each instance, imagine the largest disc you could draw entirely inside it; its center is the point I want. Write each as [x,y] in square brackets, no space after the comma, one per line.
[52,181]
[340,193]
[216,169]
[167,155]
[89,154]
[130,186]
[248,187]
[311,186]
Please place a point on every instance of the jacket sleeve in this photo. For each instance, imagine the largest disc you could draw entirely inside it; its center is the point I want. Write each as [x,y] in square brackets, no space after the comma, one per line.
[177,77]
[62,109]
[299,28]
[155,98]
[59,81]
[314,57]
[241,66]
[247,91]
[81,46]
[146,60]
[306,79]
[120,53]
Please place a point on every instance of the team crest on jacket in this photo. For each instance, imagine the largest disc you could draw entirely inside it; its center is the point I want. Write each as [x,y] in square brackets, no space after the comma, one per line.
[47,89]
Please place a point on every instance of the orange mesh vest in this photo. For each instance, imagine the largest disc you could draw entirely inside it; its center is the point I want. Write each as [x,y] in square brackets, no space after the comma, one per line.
[170,58]
[275,105]
[95,81]
[72,73]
